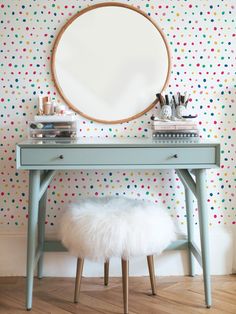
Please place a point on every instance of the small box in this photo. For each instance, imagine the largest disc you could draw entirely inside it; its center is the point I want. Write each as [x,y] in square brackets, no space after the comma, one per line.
[49,127]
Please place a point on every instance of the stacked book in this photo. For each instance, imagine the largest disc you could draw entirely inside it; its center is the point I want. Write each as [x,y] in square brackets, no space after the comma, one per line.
[48,127]
[175,129]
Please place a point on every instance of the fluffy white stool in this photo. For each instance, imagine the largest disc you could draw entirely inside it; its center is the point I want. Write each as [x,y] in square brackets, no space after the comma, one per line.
[101,228]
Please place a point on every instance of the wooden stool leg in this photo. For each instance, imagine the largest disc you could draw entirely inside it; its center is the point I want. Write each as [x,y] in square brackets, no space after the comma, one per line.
[79,270]
[125,280]
[106,272]
[151,269]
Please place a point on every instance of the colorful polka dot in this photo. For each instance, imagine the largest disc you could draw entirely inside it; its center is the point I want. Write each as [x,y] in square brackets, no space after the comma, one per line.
[202,41]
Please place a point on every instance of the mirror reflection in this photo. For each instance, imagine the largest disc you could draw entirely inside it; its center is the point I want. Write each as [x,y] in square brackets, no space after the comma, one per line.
[109,61]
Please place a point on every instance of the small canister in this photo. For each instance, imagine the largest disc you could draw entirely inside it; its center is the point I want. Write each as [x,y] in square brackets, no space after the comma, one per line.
[60,109]
[47,108]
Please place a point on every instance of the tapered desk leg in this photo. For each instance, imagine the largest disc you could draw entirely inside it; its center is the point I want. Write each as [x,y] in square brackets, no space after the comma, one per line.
[41,231]
[34,184]
[203,225]
[190,228]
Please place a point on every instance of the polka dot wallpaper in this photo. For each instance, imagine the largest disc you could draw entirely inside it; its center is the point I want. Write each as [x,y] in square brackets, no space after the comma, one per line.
[201,35]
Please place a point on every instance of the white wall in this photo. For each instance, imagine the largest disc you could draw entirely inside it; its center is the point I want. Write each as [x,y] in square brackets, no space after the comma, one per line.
[222,244]
[200,34]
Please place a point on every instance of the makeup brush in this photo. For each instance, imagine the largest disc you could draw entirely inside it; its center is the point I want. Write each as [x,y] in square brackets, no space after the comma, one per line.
[162,100]
[158,96]
[167,100]
[179,98]
[174,101]
[186,102]
[185,96]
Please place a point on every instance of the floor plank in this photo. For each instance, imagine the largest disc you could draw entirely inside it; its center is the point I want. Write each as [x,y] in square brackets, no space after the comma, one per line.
[175,295]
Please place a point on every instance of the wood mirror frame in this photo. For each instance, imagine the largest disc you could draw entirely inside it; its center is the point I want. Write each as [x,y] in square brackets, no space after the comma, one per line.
[59,87]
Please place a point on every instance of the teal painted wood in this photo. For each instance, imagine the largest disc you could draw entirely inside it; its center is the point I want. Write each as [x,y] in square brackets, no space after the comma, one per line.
[116,167]
[114,154]
[37,256]
[119,154]
[204,236]
[187,180]
[41,229]
[46,180]
[34,184]
[196,252]
[181,244]
[54,246]
[190,228]
[118,142]
[57,246]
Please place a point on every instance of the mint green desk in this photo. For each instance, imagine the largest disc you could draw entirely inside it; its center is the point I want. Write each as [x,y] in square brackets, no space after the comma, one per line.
[43,158]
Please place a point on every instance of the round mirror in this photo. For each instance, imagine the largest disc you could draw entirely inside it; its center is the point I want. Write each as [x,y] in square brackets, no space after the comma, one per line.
[109,61]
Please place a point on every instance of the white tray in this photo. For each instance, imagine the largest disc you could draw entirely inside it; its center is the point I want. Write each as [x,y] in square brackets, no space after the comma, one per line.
[55,118]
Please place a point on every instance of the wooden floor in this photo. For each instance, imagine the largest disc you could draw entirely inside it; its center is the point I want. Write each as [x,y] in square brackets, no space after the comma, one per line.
[176,295]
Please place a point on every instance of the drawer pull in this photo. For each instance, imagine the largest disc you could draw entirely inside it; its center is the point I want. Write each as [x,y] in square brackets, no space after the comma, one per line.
[175,156]
[61,157]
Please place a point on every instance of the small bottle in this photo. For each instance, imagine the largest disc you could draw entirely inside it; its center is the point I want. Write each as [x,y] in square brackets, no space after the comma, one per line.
[40,105]
[47,108]
[53,108]
[60,109]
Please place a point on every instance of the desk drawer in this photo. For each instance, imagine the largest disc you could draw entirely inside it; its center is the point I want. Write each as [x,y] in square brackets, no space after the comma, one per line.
[118,156]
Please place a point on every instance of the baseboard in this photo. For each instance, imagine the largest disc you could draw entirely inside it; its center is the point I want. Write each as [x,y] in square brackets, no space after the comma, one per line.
[234,249]
[13,258]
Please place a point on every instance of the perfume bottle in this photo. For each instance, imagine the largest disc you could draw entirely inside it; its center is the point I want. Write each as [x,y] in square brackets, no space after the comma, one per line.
[40,105]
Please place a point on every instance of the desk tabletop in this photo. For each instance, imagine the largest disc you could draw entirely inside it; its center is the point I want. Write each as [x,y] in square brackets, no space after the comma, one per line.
[104,153]
[117,142]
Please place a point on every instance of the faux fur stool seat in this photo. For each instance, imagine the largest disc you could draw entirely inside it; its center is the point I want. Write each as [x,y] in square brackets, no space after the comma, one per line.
[100,228]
